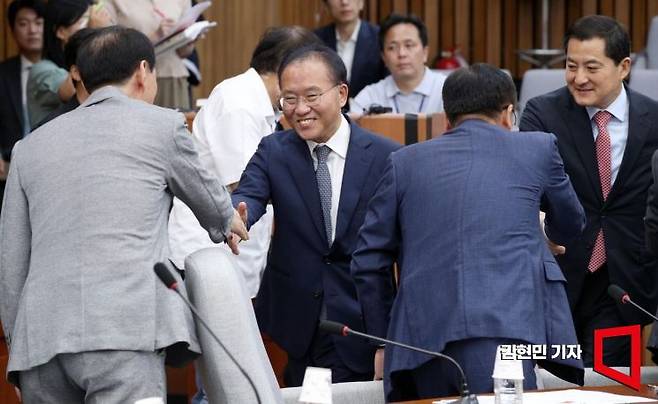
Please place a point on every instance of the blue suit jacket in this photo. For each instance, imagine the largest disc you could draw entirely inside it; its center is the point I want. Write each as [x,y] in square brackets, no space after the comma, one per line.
[630,265]
[367,67]
[461,215]
[302,270]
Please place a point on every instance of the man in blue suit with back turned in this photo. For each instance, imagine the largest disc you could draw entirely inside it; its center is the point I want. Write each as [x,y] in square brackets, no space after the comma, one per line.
[319,177]
[461,216]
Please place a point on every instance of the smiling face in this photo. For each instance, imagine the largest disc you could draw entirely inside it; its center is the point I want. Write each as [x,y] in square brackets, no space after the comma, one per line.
[593,79]
[310,78]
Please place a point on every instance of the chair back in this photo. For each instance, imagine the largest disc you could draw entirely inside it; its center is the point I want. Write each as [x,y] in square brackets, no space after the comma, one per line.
[216,287]
[645,81]
[538,82]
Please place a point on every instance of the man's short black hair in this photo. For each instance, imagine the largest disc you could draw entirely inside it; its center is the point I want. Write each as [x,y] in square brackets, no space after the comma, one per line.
[327,55]
[615,36]
[275,43]
[480,89]
[39,7]
[112,55]
[395,19]
[74,43]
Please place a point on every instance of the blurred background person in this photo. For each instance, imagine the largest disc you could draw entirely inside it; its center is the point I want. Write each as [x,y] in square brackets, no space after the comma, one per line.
[70,55]
[49,84]
[356,41]
[156,19]
[411,87]
[25,19]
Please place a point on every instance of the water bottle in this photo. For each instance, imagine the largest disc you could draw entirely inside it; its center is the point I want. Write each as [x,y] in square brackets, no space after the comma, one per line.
[508,391]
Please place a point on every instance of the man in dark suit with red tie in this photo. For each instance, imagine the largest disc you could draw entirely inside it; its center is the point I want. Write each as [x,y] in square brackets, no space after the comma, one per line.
[606,134]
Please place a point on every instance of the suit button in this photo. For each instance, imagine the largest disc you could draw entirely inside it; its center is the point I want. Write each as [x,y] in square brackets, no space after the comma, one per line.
[326,260]
[317,294]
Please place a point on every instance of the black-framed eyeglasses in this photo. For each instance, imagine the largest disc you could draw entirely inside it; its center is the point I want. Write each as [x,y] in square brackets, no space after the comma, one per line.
[311,99]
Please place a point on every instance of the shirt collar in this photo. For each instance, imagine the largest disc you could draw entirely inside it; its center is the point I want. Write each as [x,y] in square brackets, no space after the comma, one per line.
[339,142]
[25,63]
[618,108]
[353,37]
[424,88]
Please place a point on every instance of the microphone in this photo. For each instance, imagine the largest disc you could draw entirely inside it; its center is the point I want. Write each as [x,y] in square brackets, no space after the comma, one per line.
[333,327]
[170,282]
[621,296]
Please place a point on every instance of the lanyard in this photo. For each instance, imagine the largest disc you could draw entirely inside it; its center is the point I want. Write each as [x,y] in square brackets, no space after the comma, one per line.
[397,107]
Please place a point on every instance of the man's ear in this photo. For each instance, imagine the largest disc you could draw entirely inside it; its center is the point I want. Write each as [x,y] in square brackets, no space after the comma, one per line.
[141,74]
[506,118]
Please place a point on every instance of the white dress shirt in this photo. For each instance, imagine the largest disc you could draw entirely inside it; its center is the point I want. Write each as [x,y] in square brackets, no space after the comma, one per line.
[227,130]
[617,129]
[338,143]
[346,49]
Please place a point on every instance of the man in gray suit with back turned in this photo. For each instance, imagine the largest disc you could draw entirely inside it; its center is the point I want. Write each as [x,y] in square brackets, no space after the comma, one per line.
[84,221]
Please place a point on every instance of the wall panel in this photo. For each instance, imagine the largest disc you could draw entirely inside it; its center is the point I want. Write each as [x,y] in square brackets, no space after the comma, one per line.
[485,30]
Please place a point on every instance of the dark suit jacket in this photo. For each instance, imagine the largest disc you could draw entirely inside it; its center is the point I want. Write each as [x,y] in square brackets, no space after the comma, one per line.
[11,106]
[301,270]
[630,265]
[461,213]
[367,67]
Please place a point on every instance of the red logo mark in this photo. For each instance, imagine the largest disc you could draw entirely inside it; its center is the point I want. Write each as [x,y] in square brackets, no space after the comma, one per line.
[632,380]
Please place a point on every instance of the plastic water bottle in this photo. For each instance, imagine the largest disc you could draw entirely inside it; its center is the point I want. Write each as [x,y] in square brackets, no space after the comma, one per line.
[508,391]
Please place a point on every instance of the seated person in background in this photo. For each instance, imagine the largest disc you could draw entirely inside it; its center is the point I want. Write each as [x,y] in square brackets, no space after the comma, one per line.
[70,54]
[49,83]
[460,213]
[356,42]
[411,87]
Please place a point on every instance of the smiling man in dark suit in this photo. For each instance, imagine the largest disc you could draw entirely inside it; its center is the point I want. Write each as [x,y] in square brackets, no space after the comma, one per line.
[319,177]
[356,41]
[606,134]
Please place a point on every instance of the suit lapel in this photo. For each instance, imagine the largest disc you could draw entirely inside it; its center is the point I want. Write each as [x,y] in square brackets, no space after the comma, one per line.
[638,129]
[357,164]
[301,169]
[581,132]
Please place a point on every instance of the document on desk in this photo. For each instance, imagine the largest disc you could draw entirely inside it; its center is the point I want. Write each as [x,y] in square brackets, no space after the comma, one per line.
[567,397]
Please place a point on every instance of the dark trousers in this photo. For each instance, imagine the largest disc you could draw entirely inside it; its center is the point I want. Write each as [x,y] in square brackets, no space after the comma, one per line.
[322,353]
[440,378]
[596,310]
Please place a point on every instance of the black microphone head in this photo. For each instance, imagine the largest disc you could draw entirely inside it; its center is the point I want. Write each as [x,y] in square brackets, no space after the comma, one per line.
[617,293]
[165,275]
[332,327]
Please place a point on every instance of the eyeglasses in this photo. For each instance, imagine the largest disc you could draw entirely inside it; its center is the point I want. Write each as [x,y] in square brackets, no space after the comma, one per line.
[312,99]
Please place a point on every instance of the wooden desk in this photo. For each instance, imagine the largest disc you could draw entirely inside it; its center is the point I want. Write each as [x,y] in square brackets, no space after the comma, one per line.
[405,129]
[618,389]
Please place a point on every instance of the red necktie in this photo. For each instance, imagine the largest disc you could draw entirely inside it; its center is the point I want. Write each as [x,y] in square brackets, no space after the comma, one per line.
[603,156]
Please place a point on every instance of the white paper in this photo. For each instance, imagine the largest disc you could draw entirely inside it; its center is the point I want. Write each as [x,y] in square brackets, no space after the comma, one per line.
[316,387]
[187,20]
[571,396]
[190,34]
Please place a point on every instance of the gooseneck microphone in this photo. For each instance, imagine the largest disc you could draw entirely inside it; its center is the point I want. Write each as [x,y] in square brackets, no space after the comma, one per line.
[333,327]
[621,296]
[170,282]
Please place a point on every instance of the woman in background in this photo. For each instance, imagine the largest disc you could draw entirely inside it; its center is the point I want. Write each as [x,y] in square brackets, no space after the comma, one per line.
[49,84]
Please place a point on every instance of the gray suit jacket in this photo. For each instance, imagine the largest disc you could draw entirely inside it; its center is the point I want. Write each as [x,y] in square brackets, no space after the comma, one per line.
[85,219]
